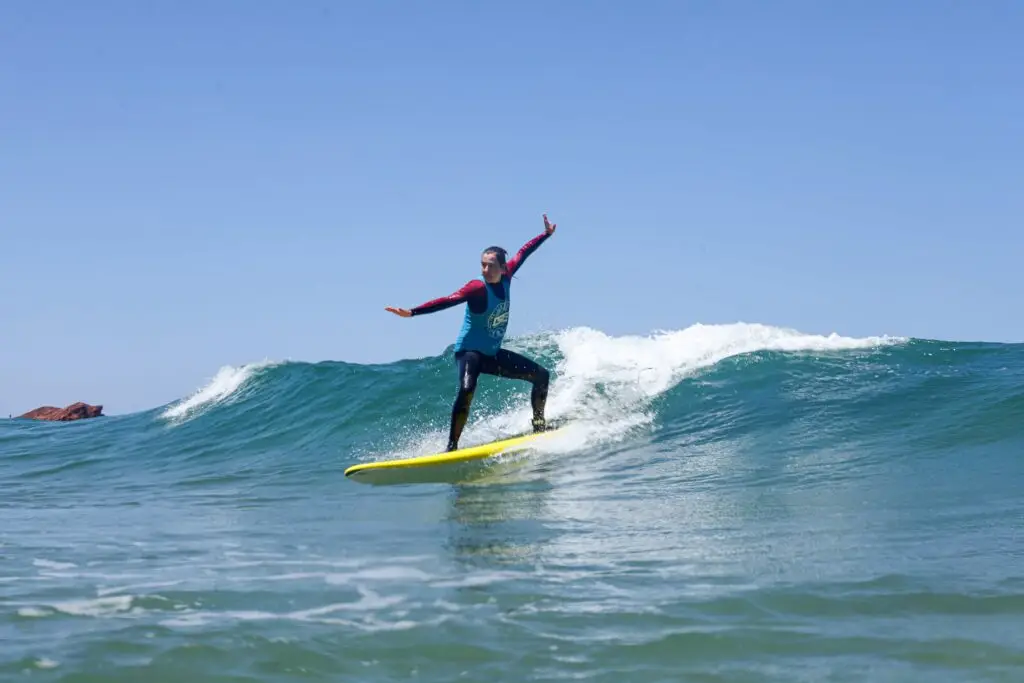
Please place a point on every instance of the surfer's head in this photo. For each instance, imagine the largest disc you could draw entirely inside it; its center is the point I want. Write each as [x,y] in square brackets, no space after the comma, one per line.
[493,263]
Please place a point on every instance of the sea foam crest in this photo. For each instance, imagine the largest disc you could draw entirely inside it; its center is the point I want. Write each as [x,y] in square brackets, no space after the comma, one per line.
[643,367]
[608,382]
[219,389]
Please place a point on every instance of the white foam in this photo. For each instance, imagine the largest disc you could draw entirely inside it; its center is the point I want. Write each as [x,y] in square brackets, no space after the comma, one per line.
[50,564]
[222,386]
[369,620]
[639,368]
[605,383]
[97,607]
[369,601]
[104,592]
[387,573]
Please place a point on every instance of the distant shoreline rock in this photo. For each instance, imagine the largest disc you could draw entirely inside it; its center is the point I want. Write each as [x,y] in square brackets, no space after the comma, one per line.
[75,411]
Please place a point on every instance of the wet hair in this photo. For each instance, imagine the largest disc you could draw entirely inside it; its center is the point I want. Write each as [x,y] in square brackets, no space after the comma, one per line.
[500,254]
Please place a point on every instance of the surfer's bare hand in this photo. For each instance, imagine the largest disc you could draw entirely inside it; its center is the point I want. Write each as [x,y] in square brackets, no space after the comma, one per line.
[404,312]
[549,227]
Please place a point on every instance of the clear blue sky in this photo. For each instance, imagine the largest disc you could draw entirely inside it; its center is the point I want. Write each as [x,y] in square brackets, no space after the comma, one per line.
[189,185]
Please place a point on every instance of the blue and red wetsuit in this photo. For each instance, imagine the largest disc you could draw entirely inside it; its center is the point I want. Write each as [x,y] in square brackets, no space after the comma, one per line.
[473,359]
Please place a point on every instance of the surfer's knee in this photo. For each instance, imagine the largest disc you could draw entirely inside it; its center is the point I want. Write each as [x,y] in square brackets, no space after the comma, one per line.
[542,377]
[464,397]
[468,383]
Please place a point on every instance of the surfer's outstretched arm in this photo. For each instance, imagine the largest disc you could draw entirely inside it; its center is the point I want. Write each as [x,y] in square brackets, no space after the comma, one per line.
[471,293]
[524,252]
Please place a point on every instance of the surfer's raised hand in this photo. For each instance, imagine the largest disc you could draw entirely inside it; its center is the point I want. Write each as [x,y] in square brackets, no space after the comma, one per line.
[404,312]
[549,227]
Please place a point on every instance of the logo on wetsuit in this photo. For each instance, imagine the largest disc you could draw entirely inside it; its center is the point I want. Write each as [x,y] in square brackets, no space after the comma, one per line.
[497,321]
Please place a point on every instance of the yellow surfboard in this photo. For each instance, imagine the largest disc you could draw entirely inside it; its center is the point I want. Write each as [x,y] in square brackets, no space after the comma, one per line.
[439,467]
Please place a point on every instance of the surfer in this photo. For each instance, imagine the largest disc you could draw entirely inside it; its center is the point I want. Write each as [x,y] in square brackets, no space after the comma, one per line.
[478,346]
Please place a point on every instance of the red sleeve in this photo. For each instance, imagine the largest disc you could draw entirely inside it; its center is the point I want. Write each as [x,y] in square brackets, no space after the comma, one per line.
[527,249]
[472,293]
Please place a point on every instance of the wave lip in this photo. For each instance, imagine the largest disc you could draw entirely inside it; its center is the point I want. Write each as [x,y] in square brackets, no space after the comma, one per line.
[221,388]
[645,367]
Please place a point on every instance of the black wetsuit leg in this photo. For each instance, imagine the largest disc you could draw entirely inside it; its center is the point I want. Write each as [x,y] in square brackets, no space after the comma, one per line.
[515,366]
[504,364]
[468,363]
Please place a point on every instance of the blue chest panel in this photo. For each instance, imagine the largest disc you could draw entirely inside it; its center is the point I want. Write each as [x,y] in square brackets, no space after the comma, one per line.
[485,331]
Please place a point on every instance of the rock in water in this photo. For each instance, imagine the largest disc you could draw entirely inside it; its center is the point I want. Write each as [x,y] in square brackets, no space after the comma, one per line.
[75,411]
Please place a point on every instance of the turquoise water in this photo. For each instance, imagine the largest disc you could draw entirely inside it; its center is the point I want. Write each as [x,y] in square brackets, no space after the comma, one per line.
[730,503]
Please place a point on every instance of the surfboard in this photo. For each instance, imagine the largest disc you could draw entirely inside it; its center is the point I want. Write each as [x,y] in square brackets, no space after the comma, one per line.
[441,467]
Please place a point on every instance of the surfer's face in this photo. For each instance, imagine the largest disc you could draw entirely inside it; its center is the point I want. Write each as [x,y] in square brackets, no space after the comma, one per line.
[490,267]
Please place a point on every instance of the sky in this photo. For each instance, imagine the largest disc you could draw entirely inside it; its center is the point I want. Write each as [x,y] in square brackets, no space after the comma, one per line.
[185,186]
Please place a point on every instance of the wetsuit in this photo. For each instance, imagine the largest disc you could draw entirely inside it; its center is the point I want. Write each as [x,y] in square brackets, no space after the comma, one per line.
[478,346]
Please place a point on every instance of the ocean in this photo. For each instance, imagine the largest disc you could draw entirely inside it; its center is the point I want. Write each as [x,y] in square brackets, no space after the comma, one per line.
[734,503]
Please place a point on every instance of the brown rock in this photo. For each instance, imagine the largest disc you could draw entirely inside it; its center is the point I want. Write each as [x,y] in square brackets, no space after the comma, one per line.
[75,411]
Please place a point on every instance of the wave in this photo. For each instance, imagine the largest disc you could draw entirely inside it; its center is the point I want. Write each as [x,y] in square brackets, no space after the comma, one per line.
[604,383]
